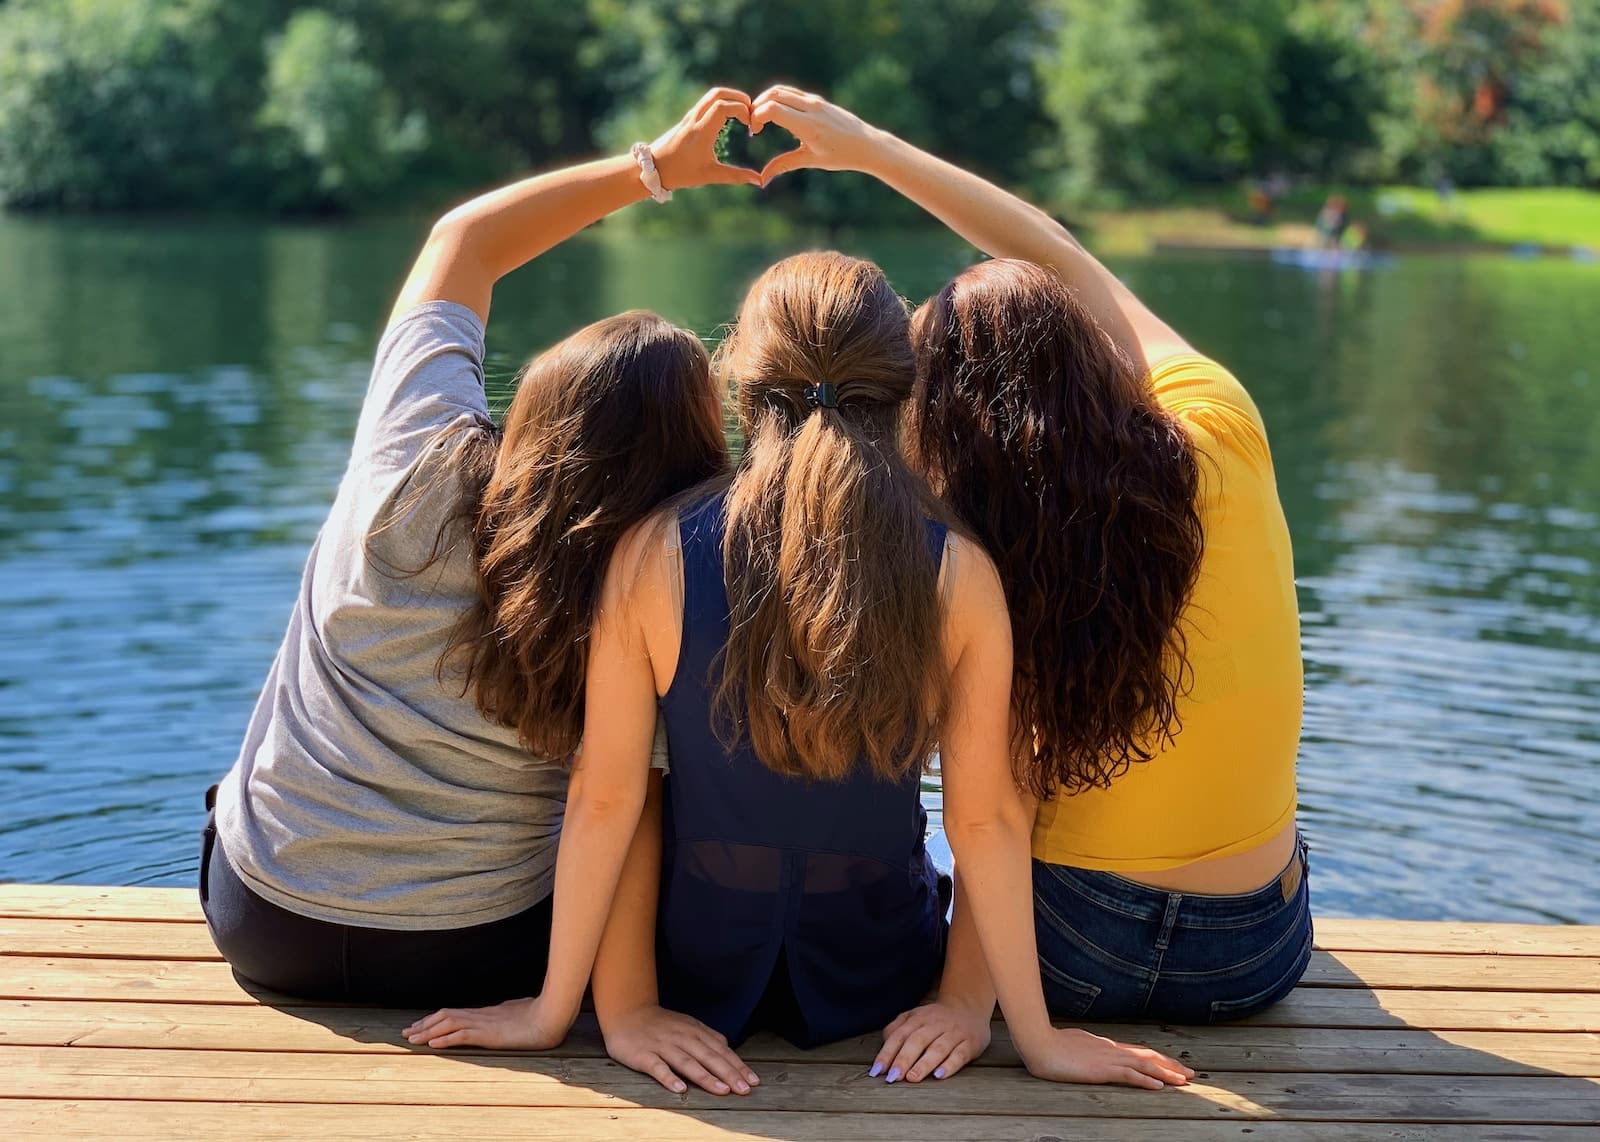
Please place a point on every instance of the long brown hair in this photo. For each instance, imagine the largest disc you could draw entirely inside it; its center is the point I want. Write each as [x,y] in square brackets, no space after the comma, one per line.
[834,650]
[604,426]
[1046,439]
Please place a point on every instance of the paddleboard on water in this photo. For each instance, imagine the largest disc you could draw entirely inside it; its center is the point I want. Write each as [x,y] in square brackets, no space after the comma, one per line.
[1313,258]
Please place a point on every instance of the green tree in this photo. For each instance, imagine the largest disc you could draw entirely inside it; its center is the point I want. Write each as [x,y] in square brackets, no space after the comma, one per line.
[1333,83]
[1551,134]
[336,134]
[1149,96]
[126,104]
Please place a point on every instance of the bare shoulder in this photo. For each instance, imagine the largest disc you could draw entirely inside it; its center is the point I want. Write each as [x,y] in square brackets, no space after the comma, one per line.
[975,598]
[638,565]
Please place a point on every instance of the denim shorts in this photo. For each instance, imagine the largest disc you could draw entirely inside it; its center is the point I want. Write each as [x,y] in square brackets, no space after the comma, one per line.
[1111,949]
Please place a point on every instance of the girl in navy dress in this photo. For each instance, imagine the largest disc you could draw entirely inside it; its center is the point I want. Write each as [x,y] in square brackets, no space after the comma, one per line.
[810,631]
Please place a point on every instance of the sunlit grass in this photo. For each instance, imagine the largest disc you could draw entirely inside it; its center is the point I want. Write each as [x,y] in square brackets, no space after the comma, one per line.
[1395,216]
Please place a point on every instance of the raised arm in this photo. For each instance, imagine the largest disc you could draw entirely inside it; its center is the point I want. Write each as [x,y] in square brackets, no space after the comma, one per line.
[989,821]
[481,241]
[994,220]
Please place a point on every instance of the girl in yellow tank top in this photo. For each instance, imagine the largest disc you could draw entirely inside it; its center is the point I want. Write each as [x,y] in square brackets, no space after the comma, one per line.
[1123,486]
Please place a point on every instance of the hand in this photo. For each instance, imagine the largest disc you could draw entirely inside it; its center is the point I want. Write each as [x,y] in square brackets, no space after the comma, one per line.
[664,1045]
[831,138]
[686,155]
[936,1038]
[516,1024]
[1073,1056]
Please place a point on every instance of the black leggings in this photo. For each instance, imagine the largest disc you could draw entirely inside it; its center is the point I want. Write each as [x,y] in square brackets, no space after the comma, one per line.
[315,959]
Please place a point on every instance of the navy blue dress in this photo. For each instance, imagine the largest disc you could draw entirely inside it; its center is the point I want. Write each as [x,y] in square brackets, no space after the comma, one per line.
[809,908]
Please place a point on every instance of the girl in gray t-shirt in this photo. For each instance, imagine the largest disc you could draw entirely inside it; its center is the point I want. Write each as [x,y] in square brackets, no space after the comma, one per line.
[389,831]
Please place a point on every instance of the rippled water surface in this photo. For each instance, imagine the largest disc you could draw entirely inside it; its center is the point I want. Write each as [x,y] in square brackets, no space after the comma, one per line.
[178,402]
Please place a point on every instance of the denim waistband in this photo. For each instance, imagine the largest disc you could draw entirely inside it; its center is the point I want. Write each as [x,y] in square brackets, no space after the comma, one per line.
[1197,910]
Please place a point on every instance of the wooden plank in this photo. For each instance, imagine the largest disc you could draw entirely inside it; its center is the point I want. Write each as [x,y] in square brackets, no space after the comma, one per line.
[440,1080]
[271,1122]
[78,902]
[1453,972]
[154,940]
[1339,935]
[84,902]
[41,977]
[366,1030]
[1223,1048]
[106,939]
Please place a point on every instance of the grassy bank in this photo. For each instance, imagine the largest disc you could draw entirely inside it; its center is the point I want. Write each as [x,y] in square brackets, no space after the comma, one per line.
[1396,217]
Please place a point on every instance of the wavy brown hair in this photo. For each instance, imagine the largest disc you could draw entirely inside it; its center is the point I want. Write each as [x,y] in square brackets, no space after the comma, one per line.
[1046,439]
[603,427]
[833,657]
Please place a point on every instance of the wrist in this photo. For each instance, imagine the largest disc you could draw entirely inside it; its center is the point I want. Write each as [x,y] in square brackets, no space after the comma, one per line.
[877,152]
[1032,1040]
[647,168]
[966,1003]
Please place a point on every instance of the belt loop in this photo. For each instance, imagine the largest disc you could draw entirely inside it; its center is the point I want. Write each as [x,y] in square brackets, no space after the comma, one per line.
[1169,920]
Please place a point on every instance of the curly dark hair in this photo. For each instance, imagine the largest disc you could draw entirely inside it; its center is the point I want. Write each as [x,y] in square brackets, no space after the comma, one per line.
[1045,438]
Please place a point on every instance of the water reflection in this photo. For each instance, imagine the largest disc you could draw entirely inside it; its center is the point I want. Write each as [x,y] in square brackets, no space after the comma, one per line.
[179,406]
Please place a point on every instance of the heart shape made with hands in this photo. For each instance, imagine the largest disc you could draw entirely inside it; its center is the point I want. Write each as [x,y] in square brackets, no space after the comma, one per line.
[737,147]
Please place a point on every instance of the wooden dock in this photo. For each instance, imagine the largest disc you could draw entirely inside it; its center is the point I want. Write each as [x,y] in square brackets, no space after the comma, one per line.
[119,1020]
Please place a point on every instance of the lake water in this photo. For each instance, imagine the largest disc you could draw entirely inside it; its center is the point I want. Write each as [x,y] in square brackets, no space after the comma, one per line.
[179,400]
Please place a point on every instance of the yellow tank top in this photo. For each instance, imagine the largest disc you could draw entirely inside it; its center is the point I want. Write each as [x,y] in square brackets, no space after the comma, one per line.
[1227,782]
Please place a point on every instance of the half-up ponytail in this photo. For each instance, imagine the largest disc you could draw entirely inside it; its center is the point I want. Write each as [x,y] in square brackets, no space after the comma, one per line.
[834,647]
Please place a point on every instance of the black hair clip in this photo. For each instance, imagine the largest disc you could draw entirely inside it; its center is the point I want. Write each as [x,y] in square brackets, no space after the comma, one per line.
[824,395]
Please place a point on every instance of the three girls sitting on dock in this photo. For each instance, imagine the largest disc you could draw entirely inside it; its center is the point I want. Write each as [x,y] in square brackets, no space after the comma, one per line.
[1027,528]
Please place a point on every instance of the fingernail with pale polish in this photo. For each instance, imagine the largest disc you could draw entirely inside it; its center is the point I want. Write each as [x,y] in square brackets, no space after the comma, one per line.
[894,1075]
[939,1073]
[877,1069]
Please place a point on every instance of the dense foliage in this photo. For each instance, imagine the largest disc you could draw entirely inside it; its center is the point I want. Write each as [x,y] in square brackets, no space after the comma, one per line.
[319,105]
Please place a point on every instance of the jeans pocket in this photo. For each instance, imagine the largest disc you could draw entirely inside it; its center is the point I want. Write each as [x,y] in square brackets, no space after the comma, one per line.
[1283,982]
[1065,996]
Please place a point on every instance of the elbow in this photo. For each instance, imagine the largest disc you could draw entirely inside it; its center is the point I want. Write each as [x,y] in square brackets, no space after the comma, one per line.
[997,824]
[603,806]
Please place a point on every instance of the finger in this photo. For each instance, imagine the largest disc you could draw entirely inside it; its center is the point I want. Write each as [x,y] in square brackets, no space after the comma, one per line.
[797,159]
[786,93]
[899,1021]
[717,113]
[1128,1076]
[935,1054]
[689,1067]
[718,1044]
[917,1040]
[721,1062]
[790,118]
[430,1021]
[724,175]
[465,1037]
[892,1042]
[1166,1061]
[439,1027]
[656,1067]
[721,95]
[958,1058]
[1163,1070]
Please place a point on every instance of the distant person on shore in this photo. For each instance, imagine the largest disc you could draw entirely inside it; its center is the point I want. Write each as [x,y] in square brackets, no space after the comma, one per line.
[389,831]
[1261,204]
[1123,484]
[1332,220]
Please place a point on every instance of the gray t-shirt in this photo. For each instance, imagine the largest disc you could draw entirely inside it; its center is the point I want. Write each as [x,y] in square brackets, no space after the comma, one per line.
[367,791]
